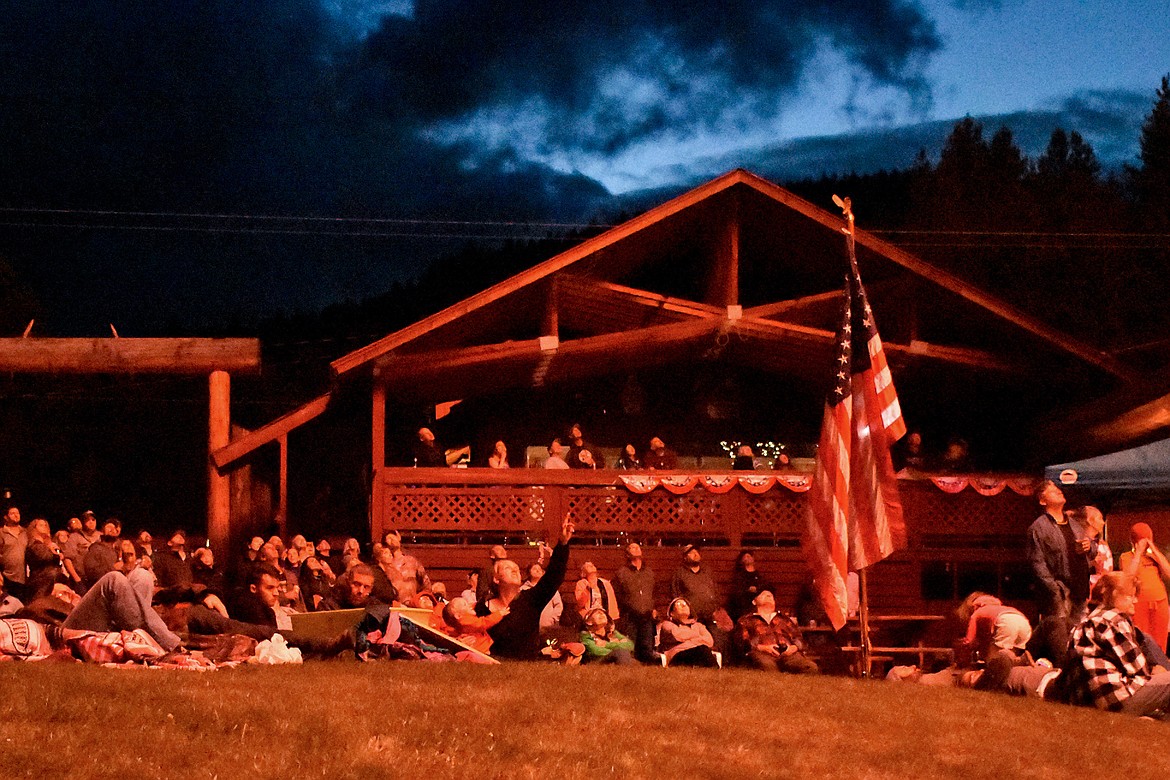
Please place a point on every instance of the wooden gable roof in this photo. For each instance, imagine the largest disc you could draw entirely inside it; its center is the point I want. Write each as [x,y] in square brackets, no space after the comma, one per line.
[738,254]
[737,269]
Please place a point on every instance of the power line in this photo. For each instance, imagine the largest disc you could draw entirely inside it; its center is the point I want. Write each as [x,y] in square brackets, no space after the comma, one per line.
[1025,233]
[297,218]
[278,231]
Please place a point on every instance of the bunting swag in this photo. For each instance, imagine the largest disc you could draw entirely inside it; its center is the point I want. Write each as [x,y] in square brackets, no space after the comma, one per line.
[854,515]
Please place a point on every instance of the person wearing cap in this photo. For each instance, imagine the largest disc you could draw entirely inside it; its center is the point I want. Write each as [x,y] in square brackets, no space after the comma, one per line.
[770,640]
[603,642]
[683,640]
[633,584]
[83,533]
[1148,566]
[102,556]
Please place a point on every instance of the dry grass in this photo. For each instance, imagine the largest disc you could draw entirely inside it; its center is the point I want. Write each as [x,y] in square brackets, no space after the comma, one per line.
[417,720]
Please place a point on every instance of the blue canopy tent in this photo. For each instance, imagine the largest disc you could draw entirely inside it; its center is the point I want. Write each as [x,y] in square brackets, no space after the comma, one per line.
[1140,473]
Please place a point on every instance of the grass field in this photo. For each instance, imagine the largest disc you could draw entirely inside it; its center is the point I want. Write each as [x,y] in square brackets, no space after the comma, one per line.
[419,720]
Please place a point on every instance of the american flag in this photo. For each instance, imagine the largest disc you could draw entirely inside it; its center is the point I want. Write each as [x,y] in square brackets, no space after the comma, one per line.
[855,517]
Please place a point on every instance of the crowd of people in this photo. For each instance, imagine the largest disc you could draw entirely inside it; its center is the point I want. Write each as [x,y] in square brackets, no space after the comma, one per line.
[90,578]
[1100,639]
[1101,635]
[573,451]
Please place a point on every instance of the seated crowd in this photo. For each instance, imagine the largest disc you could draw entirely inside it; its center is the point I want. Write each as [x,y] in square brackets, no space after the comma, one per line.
[573,451]
[1107,650]
[89,578]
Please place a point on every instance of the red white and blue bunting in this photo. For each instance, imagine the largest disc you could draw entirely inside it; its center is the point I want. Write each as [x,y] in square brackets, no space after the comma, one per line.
[801,483]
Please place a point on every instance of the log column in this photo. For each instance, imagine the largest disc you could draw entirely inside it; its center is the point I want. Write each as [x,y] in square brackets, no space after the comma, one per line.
[219,431]
[377,457]
[282,499]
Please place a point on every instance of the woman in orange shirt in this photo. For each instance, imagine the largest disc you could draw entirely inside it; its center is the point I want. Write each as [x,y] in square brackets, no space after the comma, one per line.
[1147,563]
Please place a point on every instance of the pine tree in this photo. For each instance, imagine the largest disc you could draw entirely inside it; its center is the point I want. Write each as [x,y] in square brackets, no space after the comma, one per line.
[1153,177]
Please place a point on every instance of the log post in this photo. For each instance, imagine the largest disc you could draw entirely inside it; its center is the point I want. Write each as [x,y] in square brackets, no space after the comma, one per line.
[377,457]
[282,499]
[219,498]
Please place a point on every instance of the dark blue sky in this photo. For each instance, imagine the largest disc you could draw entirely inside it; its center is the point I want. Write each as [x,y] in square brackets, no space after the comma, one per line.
[442,119]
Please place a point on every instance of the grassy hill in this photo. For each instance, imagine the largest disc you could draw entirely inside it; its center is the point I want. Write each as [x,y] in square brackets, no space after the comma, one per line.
[417,720]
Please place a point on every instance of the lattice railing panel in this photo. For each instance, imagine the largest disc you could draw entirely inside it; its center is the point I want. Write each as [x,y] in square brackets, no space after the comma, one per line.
[660,512]
[931,512]
[779,512]
[465,509]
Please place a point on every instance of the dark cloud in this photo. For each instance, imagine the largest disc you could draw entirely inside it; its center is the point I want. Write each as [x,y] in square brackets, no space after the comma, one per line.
[610,74]
[285,107]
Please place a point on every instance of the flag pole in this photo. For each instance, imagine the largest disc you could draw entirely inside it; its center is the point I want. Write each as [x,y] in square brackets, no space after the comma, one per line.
[846,206]
[863,616]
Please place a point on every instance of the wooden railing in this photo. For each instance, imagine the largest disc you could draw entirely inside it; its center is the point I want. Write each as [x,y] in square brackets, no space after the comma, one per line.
[956,542]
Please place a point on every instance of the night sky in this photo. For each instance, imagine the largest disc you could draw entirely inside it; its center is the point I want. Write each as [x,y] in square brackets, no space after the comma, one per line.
[351,142]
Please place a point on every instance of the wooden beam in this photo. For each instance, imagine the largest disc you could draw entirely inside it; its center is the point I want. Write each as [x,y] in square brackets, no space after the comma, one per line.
[370,352]
[791,332]
[551,325]
[1096,357]
[129,356]
[611,292]
[998,308]
[465,358]
[227,455]
[496,366]
[795,305]
[723,285]
[595,355]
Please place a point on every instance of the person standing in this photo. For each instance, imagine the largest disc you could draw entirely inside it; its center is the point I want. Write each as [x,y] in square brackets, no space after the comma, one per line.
[633,584]
[13,545]
[1059,560]
[1148,566]
[695,583]
[43,558]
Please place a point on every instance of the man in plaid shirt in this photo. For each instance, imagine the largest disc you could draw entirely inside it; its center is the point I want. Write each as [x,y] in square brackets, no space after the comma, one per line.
[1107,667]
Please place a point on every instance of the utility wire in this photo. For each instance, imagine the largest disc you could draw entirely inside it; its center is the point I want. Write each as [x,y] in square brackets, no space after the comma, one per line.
[297,218]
